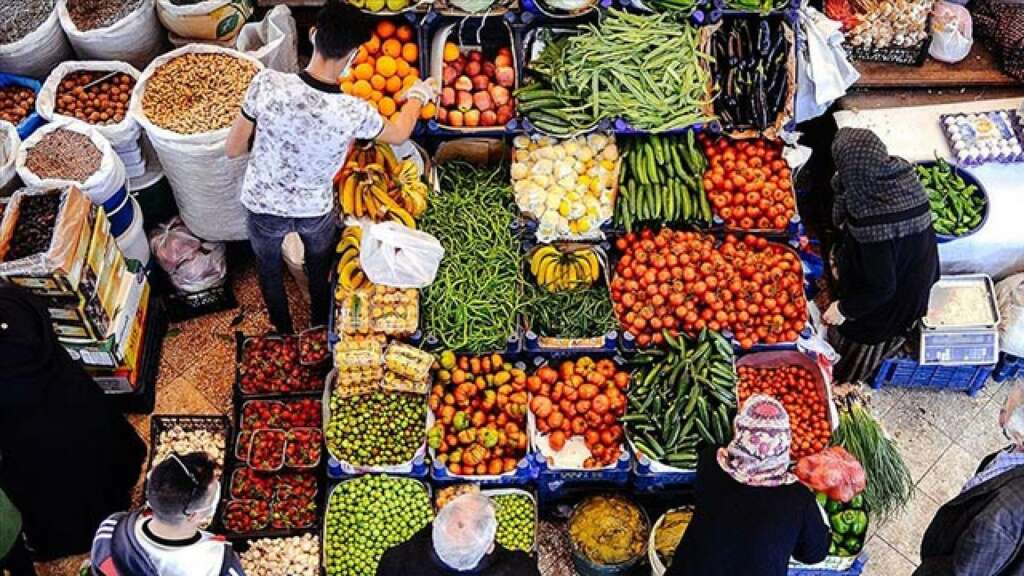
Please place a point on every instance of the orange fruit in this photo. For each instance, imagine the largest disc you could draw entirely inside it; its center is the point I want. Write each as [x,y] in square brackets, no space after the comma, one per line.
[408,81]
[346,87]
[386,66]
[404,33]
[428,111]
[375,96]
[392,47]
[373,44]
[403,68]
[385,28]
[394,85]
[451,52]
[378,82]
[362,89]
[410,52]
[364,71]
[361,56]
[386,106]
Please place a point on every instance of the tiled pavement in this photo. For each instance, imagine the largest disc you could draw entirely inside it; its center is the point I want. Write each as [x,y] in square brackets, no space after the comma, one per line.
[943,436]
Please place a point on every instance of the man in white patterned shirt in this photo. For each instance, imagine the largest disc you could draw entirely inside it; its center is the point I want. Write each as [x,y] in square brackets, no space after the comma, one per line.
[300,129]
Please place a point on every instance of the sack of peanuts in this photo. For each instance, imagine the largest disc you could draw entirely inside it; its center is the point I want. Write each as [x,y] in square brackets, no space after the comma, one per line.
[9,143]
[68,152]
[204,20]
[31,40]
[186,101]
[272,41]
[106,88]
[125,30]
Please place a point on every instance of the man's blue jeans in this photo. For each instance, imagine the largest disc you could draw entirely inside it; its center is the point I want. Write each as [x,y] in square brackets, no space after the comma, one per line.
[318,234]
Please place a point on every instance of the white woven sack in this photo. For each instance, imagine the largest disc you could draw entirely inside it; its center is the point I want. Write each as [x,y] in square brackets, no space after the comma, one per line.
[38,52]
[205,20]
[9,143]
[272,41]
[100,186]
[124,134]
[137,38]
[206,183]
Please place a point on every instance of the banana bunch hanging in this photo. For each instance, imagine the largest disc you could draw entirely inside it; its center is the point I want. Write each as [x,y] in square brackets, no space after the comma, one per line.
[374,184]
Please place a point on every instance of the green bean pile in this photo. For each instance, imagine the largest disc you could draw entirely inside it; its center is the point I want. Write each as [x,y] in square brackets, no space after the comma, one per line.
[648,70]
[584,313]
[474,302]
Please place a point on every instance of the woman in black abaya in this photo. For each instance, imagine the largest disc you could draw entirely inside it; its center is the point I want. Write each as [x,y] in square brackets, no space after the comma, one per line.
[67,459]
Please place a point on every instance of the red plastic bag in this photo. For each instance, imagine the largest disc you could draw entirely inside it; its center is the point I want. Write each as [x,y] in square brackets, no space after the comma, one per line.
[833,471]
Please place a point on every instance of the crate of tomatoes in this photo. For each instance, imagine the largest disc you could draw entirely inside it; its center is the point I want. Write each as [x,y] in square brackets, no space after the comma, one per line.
[794,379]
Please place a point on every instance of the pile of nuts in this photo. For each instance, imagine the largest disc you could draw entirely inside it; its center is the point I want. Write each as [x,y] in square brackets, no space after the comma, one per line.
[103,103]
[197,93]
[93,14]
[295,556]
[20,17]
[37,215]
[16,102]
[185,441]
[64,154]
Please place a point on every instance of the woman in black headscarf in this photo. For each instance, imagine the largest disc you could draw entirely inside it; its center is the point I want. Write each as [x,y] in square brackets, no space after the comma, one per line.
[67,458]
[887,259]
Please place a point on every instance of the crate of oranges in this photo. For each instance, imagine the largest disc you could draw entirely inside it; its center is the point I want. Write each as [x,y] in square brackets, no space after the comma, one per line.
[385,66]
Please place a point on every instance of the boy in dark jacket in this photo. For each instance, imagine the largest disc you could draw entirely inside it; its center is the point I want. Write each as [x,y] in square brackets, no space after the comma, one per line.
[167,541]
[979,533]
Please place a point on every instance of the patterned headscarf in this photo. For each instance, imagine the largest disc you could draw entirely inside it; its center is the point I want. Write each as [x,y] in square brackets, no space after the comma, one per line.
[759,452]
[878,196]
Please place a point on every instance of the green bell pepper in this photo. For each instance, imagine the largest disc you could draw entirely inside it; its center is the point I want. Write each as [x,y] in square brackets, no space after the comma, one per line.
[857,520]
[839,524]
[857,502]
[832,548]
[833,507]
[852,543]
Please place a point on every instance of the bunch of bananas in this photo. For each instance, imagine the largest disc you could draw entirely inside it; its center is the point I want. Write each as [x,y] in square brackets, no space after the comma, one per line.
[350,275]
[375,184]
[562,271]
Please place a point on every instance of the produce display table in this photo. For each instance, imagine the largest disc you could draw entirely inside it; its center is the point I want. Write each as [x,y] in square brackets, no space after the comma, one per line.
[979,68]
[915,134]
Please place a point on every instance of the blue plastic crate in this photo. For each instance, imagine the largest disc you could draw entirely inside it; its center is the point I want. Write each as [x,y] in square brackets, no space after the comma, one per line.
[525,473]
[646,481]
[1008,367]
[907,373]
[552,484]
[420,469]
[855,570]
[29,124]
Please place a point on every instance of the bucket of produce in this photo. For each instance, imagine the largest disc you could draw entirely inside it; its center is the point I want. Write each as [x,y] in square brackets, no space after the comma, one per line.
[849,523]
[608,536]
[368,515]
[18,103]
[575,408]
[127,30]
[754,66]
[31,39]
[477,66]
[567,187]
[291,555]
[96,93]
[188,134]
[386,65]
[958,201]
[794,379]
[516,512]
[668,424]
[461,443]
[665,537]
[204,19]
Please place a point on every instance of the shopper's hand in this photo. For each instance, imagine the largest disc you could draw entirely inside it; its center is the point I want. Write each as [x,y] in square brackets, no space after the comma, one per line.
[425,91]
[833,316]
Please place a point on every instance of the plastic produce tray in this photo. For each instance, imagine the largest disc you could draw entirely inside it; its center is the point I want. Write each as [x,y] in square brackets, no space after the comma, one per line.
[1008,367]
[908,373]
[240,395]
[856,569]
[269,532]
[163,422]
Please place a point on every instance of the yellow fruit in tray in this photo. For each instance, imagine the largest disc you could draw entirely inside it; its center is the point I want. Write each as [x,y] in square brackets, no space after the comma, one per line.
[396,5]
[375,5]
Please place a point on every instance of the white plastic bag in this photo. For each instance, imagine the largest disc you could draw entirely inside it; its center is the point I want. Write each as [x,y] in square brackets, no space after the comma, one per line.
[272,41]
[206,183]
[137,38]
[193,265]
[1010,298]
[108,179]
[394,255]
[122,135]
[824,70]
[9,143]
[38,52]
[952,32]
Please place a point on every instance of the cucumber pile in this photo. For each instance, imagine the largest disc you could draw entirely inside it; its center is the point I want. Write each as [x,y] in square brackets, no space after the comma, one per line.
[662,180]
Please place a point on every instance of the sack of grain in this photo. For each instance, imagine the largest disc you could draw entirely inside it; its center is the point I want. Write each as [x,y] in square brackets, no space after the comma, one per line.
[38,51]
[206,19]
[206,183]
[135,38]
[272,41]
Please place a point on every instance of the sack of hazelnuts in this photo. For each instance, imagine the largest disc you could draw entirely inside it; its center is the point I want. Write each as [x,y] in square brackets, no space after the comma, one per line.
[94,92]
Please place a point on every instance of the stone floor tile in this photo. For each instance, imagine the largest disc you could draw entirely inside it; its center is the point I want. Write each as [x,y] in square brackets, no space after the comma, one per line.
[884,560]
[951,412]
[919,441]
[884,399]
[904,531]
[983,435]
[944,481]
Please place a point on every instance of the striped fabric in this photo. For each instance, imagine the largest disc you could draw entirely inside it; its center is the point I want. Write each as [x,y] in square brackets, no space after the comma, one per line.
[859,362]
